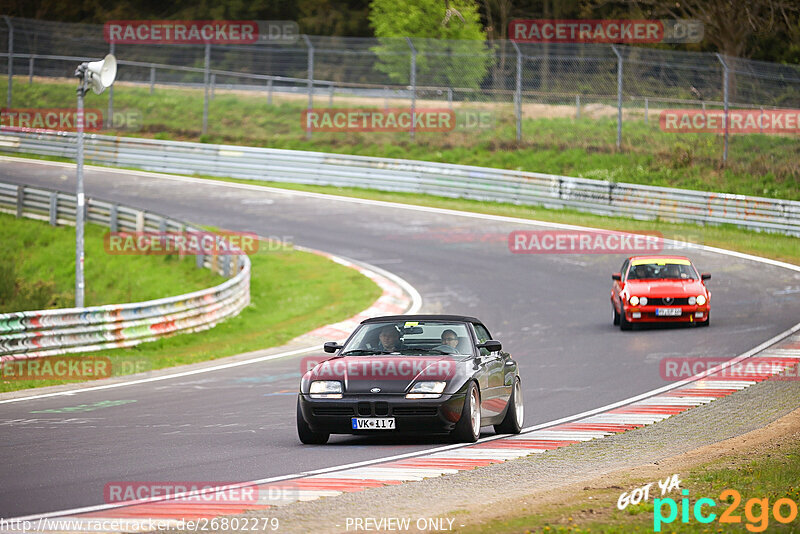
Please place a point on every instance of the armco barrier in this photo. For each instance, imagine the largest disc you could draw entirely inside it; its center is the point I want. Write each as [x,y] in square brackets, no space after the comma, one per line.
[461,181]
[33,334]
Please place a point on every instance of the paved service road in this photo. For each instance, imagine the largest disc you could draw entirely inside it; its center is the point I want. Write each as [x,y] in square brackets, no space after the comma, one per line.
[551,312]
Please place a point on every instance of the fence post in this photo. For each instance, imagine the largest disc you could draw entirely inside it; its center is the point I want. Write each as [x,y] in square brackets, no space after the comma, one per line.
[330,96]
[213,85]
[619,95]
[206,68]
[269,92]
[413,84]
[450,97]
[310,81]
[53,208]
[30,70]
[646,109]
[10,60]
[113,218]
[385,97]
[518,93]
[577,107]
[110,116]
[20,199]
[152,79]
[725,104]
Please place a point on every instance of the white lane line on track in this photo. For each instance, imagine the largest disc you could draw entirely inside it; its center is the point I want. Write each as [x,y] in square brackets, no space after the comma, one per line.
[439,451]
[416,304]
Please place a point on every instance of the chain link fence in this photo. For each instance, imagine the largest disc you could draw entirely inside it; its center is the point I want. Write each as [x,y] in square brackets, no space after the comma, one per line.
[515,81]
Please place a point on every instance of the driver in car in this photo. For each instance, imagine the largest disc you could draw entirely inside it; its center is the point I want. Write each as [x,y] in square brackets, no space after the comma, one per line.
[389,339]
[449,342]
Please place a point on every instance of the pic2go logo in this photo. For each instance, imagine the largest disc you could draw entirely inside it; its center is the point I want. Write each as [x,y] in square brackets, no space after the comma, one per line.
[756,511]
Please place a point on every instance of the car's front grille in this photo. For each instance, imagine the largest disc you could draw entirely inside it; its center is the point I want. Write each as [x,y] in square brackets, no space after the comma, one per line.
[415,410]
[333,410]
[677,301]
[364,408]
[381,408]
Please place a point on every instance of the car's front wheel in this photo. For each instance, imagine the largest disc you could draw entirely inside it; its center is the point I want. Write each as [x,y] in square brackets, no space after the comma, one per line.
[468,428]
[624,324]
[512,422]
[304,432]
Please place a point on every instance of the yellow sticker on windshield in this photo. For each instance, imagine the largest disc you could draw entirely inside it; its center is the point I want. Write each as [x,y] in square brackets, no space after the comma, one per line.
[411,323]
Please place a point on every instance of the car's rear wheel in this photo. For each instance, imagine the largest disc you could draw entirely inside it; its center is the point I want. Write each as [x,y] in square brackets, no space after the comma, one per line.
[615,315]
[515,414]
[624,324]
[304,432]
[468,428]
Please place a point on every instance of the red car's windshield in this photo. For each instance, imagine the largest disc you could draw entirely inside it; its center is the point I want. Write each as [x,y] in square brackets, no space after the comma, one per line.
[661,271]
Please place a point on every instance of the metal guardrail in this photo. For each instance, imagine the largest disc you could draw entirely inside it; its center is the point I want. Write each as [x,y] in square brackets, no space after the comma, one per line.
[33,334]
[441,179]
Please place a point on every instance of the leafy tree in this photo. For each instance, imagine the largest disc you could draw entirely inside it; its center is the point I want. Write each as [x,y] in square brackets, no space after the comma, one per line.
[425,22]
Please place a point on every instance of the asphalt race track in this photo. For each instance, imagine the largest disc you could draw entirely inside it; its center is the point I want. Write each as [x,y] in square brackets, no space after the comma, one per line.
[552,312]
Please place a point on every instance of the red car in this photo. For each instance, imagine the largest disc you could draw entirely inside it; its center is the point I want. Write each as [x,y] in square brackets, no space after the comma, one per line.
[660,289]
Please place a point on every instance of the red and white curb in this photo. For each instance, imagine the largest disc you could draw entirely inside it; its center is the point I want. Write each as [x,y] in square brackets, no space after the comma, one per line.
[719,382]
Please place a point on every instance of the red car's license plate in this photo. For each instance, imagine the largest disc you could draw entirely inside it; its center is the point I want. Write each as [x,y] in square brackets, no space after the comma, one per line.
[668,312]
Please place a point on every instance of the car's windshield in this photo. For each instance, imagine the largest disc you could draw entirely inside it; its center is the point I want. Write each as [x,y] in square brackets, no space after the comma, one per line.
[410,337]
[666,269]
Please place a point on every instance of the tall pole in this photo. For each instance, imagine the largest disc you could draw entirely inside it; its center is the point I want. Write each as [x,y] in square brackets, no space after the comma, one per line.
[110,117]
[619,96]
[10,60]
[518,93]
[309,82]
[79,206]
[725,103]
[413,76]
[206,67]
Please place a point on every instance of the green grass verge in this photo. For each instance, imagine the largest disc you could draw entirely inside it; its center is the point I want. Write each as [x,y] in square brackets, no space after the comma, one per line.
[291,293]
[770,476]
[761,165]
[37,269]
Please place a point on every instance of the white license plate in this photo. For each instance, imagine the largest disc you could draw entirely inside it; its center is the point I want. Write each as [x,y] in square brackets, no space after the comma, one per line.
[372,423]
[668,312]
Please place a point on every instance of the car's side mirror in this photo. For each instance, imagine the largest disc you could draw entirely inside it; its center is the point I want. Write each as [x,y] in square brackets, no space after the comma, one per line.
[617,277]
[705,276]
[491,345]
[331,346]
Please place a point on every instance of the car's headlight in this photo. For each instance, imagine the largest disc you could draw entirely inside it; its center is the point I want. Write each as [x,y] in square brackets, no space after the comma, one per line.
[643,301]
[634,300]
[692,301]
[426,390]
[701,299]
[325,389]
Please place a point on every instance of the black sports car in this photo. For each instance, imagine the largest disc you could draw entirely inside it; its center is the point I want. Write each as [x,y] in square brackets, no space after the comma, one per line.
[410,374]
